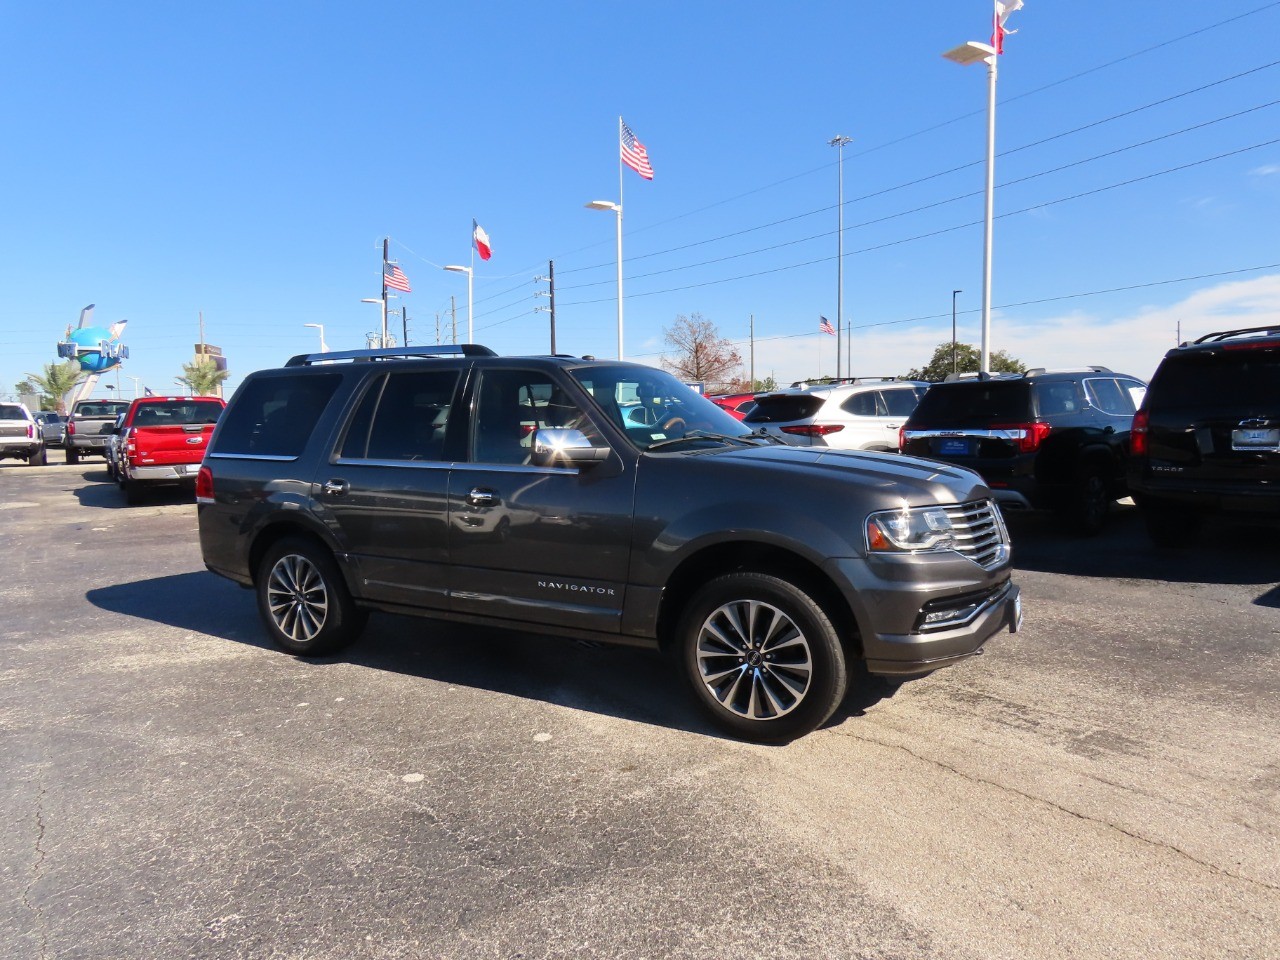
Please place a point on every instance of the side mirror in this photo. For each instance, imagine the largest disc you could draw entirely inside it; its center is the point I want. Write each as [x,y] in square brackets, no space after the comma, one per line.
[556,447]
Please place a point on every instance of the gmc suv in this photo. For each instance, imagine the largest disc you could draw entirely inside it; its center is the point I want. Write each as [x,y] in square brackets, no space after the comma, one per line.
[1042,440]
[1207,438]
[596,500]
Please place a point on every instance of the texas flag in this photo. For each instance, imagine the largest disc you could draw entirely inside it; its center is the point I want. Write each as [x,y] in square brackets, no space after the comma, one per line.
[481,240]
[998,33]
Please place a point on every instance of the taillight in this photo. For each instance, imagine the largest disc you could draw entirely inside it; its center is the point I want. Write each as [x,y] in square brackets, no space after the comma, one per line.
[814,429]
[71,427]
[902,439]
[204,485]
[1140,434]
[31,431]
[1029,436]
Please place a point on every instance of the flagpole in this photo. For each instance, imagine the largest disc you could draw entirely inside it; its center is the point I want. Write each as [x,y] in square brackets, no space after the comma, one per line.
[471,334]
[383,341]
[620,348]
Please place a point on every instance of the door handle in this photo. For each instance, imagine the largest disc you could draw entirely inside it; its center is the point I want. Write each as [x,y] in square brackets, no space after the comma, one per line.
[336,488]
[482,497]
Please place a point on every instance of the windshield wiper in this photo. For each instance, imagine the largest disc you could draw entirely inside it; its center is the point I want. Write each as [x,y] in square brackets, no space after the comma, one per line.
[701,435]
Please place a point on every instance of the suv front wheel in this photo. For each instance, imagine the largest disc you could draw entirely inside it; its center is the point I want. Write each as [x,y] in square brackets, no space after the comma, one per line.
[303,600]
[762,657]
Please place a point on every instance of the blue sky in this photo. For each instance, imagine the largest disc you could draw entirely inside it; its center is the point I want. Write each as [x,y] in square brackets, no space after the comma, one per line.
[245,160]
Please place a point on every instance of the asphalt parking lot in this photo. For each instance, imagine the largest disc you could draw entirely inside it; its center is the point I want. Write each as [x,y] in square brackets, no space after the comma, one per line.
[1103,784]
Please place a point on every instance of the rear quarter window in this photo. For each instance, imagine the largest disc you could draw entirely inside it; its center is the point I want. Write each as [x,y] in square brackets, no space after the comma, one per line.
[275,416]
[10,412]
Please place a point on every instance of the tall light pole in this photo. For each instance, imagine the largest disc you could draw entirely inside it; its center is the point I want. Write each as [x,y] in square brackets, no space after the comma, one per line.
[471,337]
[954,366]
[965,54]
[616,208]
[320,327]
[838,142]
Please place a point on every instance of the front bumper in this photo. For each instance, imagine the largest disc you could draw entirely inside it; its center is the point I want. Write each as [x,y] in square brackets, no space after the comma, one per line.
[892,596]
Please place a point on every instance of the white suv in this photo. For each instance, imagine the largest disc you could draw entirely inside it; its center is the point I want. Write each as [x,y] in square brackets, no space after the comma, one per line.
[859,414]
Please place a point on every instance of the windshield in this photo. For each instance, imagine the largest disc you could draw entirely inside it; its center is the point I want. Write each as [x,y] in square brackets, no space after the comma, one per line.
[653,408]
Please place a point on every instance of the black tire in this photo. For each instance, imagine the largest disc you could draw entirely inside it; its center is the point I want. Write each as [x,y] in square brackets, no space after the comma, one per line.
[1169,525]
[304,602]
[1090,501]
[73,455]
[786,649]
[133,492]
[39,458]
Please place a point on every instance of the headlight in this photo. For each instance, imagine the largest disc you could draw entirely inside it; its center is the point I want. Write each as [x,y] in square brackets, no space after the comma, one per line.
[909,530]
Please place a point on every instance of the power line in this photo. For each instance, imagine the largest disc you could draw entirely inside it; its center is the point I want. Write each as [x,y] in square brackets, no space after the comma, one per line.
[934,176]
[935,204]
[934,233]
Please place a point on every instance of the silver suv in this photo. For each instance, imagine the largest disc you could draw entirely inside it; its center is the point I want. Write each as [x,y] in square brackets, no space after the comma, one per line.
[863,413]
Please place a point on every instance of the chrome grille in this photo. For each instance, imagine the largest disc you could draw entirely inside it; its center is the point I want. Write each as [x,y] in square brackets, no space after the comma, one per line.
[979,532]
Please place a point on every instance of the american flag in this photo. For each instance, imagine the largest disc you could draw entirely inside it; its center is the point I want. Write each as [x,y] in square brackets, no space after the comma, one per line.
[824,326]
[393,277]
[634,155]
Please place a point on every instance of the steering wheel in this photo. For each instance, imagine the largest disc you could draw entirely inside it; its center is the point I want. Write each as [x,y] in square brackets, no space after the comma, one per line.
[673,423]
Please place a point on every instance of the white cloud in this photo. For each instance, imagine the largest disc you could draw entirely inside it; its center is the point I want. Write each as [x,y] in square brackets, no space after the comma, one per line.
[1132,343]
[1268,170]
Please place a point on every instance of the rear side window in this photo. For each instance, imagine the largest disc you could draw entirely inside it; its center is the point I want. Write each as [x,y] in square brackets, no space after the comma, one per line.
[901,403]
[101,408]
[784,407]
[402,416]
[976,403]
[275,416]
[1227,379]
[1115,397]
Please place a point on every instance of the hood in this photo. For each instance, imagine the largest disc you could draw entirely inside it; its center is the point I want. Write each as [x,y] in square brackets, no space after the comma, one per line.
[917,479]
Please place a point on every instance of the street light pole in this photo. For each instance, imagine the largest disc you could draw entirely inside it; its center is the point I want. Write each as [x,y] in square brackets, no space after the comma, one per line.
[470,317]
[617,209]
[838,142]
[954,366]
[967,53]
[320,327]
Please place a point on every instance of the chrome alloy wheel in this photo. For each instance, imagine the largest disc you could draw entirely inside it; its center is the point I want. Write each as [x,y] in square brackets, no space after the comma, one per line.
[754,660]
[297,597]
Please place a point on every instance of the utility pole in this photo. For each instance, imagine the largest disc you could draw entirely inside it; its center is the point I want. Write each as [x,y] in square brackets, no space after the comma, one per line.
[838,142]
[955,368]
[453,309]
[549,279]
[751,335]
[437,326]
[404,323]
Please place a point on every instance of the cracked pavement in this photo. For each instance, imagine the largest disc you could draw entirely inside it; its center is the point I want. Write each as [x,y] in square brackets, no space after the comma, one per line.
[1105,783]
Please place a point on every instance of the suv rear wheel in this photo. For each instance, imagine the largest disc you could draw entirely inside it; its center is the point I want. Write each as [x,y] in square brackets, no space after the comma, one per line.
[303,600]
[1090,501]
[762,657]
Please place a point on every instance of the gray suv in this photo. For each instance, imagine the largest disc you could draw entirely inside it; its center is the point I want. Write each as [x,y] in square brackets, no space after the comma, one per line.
[597,500]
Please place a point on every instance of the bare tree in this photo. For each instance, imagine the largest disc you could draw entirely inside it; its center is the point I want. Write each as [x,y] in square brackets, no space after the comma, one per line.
[699,353]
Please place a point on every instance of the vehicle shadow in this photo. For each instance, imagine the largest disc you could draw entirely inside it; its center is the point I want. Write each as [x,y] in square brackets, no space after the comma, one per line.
[1226,554]
[623,682]
[102,493]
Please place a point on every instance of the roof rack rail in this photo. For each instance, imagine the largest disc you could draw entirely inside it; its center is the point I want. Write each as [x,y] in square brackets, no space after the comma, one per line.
[1246,331]
[983,375]
[393,353]
[1092,368]
[843,381]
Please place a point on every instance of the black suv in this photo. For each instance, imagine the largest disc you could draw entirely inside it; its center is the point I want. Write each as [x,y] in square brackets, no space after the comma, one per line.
[596,500]
[1207,438]
[1043,440]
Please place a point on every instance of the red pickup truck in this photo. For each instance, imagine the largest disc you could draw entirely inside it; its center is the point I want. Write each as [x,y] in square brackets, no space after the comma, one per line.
[162,441]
